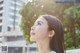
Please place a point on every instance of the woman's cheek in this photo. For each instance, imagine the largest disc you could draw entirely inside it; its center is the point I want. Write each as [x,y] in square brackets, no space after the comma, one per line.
[41,32]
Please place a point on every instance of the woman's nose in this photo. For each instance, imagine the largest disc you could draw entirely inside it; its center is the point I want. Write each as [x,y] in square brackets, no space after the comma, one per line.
[32,28]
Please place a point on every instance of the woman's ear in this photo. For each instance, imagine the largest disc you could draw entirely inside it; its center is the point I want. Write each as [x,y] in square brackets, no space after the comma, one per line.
[51,33]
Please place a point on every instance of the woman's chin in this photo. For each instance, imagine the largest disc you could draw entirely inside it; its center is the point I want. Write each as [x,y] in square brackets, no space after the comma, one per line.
[32,39]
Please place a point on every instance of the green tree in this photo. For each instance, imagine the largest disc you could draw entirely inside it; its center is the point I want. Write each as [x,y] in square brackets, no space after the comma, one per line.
[72,23]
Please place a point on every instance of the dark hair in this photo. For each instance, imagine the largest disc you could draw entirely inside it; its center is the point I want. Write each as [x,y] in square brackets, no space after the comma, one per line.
[57,41]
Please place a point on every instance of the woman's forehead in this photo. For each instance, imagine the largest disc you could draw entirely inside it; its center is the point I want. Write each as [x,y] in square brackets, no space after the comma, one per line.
[41,19]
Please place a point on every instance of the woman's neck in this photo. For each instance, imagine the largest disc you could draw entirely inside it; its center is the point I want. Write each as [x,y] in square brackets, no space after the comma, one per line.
[43,46]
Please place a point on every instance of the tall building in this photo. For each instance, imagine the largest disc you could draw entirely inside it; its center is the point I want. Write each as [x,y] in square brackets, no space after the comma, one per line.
[10,33]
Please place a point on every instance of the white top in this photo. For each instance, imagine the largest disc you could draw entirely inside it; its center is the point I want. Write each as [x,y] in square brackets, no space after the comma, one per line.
[50,52]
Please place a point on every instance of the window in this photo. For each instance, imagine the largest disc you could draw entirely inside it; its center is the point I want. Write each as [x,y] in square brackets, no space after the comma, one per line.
[0,14]
[0,28]
[14,23]
[12,10]
[15,50]
[0,41]
[1,2]
[1,8]
[9,28]
[32,48]
[13,38]
[0,20]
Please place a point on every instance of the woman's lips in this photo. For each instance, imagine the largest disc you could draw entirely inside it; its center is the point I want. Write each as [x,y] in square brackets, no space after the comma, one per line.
[32,33]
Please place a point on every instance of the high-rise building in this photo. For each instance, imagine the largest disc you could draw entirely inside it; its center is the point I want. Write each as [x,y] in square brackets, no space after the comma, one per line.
[10,34]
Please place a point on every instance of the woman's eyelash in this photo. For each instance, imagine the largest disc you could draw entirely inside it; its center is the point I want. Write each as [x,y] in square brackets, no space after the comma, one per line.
[39,23]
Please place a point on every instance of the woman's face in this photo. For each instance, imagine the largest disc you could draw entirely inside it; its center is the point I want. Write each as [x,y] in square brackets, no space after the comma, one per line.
[39,30]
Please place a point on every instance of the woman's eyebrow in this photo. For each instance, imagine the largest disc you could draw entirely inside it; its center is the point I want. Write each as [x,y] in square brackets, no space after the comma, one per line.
[41,22]
[38,22]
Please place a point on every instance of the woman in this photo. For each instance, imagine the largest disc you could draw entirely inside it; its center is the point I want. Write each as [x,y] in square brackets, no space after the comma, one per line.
[47,32]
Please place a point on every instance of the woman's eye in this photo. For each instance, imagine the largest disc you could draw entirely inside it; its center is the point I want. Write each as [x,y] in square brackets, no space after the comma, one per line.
[39,23]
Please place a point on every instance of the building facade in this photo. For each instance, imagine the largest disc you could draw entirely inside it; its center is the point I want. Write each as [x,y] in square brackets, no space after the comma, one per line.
[10,33]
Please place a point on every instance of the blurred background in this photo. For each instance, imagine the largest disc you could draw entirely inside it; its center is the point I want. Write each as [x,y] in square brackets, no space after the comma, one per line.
[17,17]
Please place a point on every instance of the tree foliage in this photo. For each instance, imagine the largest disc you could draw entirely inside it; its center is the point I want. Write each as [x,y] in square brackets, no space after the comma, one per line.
[72,24]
